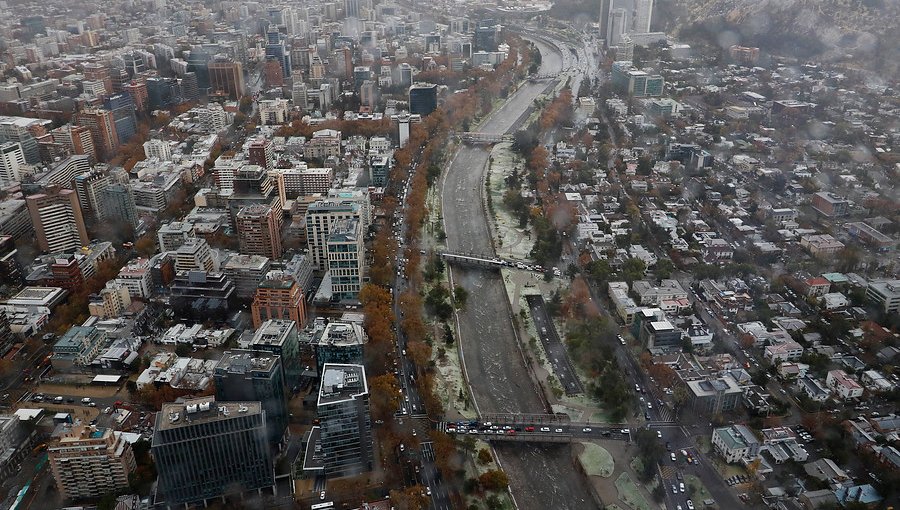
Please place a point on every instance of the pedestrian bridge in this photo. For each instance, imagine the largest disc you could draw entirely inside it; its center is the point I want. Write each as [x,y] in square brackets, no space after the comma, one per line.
[477,138]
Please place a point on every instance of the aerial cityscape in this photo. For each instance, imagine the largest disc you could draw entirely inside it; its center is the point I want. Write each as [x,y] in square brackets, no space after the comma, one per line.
[449,255]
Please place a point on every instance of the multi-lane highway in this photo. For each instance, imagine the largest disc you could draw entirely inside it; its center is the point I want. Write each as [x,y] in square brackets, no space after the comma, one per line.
[557,355]
[494,365]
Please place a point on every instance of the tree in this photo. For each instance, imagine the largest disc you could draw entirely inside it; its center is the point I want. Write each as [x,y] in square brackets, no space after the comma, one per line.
[183,350]
[494,480]
[484,456]
[460,296]
[384,396]
[633,269]
[411,498]
[664,268]
[599,270]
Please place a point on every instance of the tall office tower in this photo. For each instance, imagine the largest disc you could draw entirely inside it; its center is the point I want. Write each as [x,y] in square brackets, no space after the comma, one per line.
[137,90]
[275,49]
[343,411]
[261,151]
[255,377]
[56,217]
[321,215]
[117,205]
[298,95]
[279,296]
[368,94]
[422,98]
[346,259]
[89,186]
[194,255]
[406,74]
[643,12]
[351,8]
[77,139]
[190,87]
[25,131]
[103,129]
[603,22]
[161,92]
[617,26]
[226,78]
[206,449]
[88,462]
[402,130]
[258,231]
[12,162]
[122,109]
[98,73]
[280,337]
[316,70]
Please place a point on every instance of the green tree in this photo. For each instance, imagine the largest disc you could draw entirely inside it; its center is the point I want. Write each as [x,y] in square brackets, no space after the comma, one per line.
[664,268]
[633,269]
[484,456]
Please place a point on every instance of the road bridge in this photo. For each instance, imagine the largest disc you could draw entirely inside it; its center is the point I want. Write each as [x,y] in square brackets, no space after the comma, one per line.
[481,260]
[535,429]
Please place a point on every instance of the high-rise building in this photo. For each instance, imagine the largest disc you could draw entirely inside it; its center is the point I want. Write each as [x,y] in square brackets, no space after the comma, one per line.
[24,130]
[273,111]
[246,272]
[201,295]
[103,129]
[77,140]
[89,187]
[258,231]
[194,255]
[320,217]
[139,95]
[261,151]
[643,12]
[162,92]
[88,462]
[368,94]
[12,162]
[117,205]
[346,259]
[173,234]
[206,449]
[279,296]
[351,8]
[617,26]
[226,78]
[339,342]
[255,377]
[422,98]
[122,108]
[343,412]
[57,220]
[280,337]
[159,149]
[603,23]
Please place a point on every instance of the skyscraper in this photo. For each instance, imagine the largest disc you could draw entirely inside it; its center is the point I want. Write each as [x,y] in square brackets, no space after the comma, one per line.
[249,376]
[58,223]
[12,161]
[258,231]
[206,449]
[117,205]
[77,140]
[346,259]
[617,26]
[122,108]
[320,216]
[89,186]
[103,129]
[422,98]
[226,78]
[643,12]
[343,411]
[280,337]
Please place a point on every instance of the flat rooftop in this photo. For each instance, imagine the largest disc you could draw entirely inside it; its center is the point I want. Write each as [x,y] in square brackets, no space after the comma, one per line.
[197,411]
[342,382]
[242,362]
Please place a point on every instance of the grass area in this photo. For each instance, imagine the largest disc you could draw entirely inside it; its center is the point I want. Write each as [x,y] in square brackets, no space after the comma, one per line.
[704,444]
[695,488]
[630,494]
[596,460]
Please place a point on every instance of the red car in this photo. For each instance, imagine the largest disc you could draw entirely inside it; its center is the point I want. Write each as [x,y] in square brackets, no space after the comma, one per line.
[529,429]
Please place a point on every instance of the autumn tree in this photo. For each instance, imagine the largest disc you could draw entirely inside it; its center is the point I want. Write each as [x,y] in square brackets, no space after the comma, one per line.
[411,498]
[384,394]
[494,480]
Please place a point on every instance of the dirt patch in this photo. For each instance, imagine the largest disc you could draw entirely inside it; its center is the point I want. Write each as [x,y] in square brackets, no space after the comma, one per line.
[50,390]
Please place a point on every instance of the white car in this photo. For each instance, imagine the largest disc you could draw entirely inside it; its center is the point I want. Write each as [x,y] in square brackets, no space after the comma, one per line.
[672,456]
[659,434]
[690,505]
[545,429]
[586,429]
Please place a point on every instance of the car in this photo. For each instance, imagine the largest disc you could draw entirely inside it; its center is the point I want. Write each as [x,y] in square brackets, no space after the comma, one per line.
[674,489]
[559,431]
[322,495]
[586,429]
[529,429]
[414,433]
[510,432]
[545,429]
[92,404]
[107,410]
[402,447]
[625,431]
[58,400]
[684,452]
[690,505]
[681,486]
[649,405]
[659,434]
[672,456]
[668,446]
[646,415]
[428,491]
[679,476]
